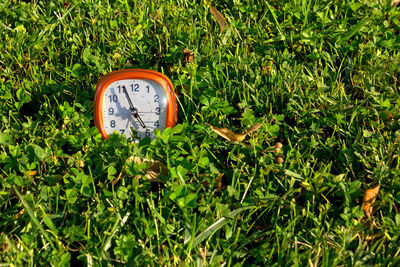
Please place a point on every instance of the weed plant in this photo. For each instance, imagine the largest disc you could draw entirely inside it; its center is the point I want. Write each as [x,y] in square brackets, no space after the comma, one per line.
[321,76]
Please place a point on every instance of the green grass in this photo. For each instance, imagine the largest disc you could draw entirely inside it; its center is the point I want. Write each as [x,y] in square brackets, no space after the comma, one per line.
[321,76]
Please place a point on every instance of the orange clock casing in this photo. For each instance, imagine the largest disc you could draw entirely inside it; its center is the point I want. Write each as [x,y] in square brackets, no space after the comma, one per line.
[155,76]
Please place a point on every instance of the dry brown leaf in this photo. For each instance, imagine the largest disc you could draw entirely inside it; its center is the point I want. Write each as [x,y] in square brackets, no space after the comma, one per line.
[156,17]
[154,168]
[219,180]
[203,253]
[265,70]
[188,55]
[369,199]
[16,216]
[31,173]
[253,128]
[218,17]
[67,4]
[228,134]
[115,181]
[231,136]
[395,2]
[4,246]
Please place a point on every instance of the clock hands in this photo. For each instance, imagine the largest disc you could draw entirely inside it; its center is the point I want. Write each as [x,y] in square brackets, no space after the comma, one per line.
[133,110]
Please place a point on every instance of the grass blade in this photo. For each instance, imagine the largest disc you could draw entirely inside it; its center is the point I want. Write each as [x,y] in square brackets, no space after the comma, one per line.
[278,26]
[247,189]
[117,225]
[215,226]
[350,33]
[34,219]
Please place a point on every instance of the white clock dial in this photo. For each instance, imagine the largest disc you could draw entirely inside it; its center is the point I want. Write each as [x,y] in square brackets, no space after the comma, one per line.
[136,103]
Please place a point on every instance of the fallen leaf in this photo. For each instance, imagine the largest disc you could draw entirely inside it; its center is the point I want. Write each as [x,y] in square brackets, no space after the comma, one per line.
[154,168]
[115,181]
[188,55]
[31,173]
[369,199]
[4,246]
[219,180]
[227,134]
[231,136]
[253,128]
[156,17]
[387,115]
[265,70]
[395,2]
[67,4]
[203,254]
[218,17]
[19,214]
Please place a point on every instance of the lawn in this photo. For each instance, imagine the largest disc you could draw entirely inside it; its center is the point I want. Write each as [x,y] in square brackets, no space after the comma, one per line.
[320,77]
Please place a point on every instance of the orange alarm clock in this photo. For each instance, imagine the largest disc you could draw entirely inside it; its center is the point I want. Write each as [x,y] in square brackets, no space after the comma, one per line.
[134,102]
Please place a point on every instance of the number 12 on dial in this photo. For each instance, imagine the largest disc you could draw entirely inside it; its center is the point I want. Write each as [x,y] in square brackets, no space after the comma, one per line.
[134,102]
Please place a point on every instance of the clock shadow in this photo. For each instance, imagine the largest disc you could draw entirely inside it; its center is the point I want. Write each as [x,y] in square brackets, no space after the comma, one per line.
[124,113]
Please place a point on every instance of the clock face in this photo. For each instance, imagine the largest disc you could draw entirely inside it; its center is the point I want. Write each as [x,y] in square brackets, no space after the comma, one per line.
[134,104]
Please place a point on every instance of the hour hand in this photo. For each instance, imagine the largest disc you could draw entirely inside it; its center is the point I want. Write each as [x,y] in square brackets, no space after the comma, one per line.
[133,110]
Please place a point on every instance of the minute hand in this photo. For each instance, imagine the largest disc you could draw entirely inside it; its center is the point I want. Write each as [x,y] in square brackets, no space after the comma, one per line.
[133,110]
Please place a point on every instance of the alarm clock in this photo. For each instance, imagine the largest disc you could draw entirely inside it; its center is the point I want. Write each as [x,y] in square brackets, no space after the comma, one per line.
[134,102]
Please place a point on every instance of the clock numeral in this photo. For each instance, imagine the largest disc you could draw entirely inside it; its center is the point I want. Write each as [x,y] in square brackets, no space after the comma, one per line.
[158,111]
[147,133]
[110,111]
[122,131]
[112,124]
[148,88]
[113,98]
[156,124]
[156,98]
[135,87]
[119,88]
